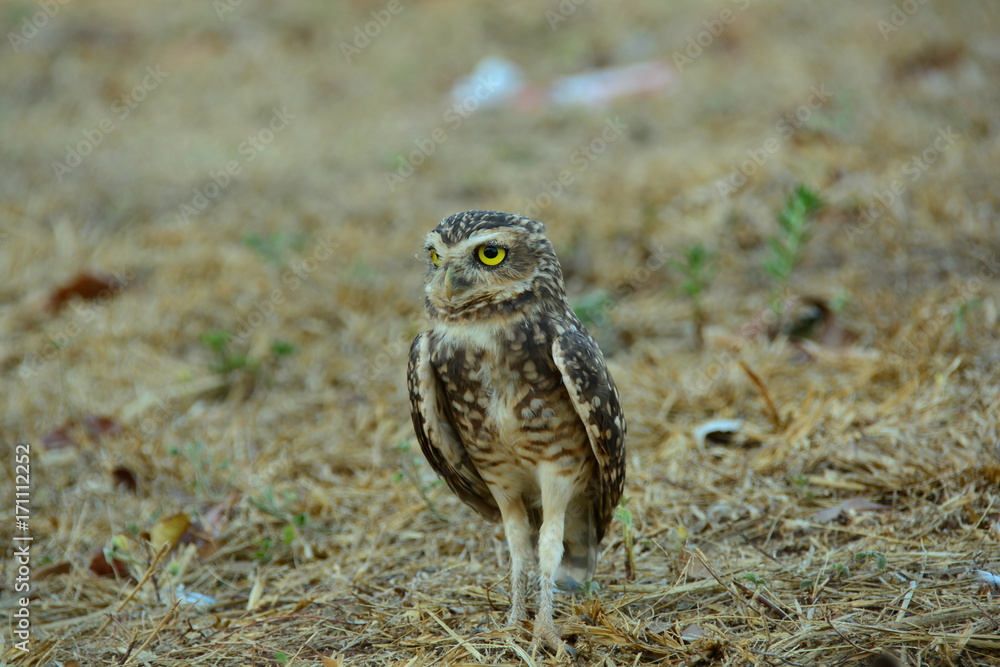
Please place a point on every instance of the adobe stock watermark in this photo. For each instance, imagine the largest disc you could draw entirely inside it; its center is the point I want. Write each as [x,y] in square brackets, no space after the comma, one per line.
[364,35]
[32,25]
[912,171]
[453,117]
[223,7]
[299,272]
[579,160]
[21,549]
[899,16]
[84,312]
[121,108]
[784,128]
[156,416]
[565,10]
[723,360]
[397,346]
[625,288]
[697,44]
[249,149]
[923,338]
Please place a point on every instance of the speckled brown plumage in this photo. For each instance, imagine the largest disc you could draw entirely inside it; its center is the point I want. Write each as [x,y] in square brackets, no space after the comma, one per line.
[512,402]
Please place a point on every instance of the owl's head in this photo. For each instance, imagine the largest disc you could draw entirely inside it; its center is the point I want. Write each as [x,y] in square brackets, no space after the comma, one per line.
[482,264]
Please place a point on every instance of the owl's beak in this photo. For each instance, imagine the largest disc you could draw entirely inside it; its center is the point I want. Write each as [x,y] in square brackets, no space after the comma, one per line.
[453,285]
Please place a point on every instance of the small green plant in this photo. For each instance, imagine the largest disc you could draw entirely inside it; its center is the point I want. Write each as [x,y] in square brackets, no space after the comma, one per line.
[878,556]
[624,516]
[280,508]
[265,550]
[269,504]
[788,245]
[234,363]
[592,308]
[840,300]
[755,579]
[291,529]
[274,247]
[196,454]
[698,268]
[801,483]
[840,571]
[282,348]
[226,359]
[961,314]
[117,549]
[408,470]
[591,589]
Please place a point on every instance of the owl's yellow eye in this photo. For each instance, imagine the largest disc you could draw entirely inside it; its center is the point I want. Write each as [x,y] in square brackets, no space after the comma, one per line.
[435,259]
[491,255]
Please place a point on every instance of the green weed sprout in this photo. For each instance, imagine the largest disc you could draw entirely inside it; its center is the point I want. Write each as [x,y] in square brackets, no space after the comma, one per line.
[274,247]
[698,269]
[788,245]
[878,556]
[231,362]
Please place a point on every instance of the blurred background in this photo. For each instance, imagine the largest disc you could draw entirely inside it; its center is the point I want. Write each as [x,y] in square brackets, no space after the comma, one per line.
[211,215]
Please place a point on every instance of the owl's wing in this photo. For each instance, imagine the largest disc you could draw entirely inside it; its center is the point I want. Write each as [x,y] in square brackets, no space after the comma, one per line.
[438,436]
[595,397]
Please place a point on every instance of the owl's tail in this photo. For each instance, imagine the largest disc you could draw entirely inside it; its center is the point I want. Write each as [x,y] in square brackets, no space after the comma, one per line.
[579,550]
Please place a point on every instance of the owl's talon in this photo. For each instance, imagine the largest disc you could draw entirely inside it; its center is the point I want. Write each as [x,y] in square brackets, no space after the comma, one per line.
[515,620]
[546,633]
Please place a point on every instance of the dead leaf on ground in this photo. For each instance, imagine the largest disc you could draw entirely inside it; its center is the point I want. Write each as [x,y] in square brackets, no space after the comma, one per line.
[125,478]
[217,517]
[205,543]
[695,569]
[58,438]
[96,426]
[53,570]
[847,507]
[169,530]
[101,425]
[100,566]
[88,286]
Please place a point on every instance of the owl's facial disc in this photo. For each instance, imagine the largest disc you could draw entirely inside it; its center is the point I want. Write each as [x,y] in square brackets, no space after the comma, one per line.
[490,267]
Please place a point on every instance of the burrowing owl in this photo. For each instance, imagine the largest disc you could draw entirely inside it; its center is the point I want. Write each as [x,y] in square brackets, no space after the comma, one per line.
[512,402]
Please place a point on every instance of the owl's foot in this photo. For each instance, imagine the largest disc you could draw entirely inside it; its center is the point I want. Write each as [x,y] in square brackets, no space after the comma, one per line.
[545,632]
[516,614]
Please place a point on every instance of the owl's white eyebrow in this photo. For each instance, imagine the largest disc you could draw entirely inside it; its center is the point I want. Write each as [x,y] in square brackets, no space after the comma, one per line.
[485,238]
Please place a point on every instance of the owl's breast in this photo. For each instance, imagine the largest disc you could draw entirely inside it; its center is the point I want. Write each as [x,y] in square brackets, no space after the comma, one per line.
[508,402]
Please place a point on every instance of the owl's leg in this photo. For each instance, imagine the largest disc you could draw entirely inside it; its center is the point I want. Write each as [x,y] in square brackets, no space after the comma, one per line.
[518,530]
[557,491]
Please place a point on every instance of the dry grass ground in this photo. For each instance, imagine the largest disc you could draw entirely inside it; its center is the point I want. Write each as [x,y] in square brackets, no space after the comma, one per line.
[311,535]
